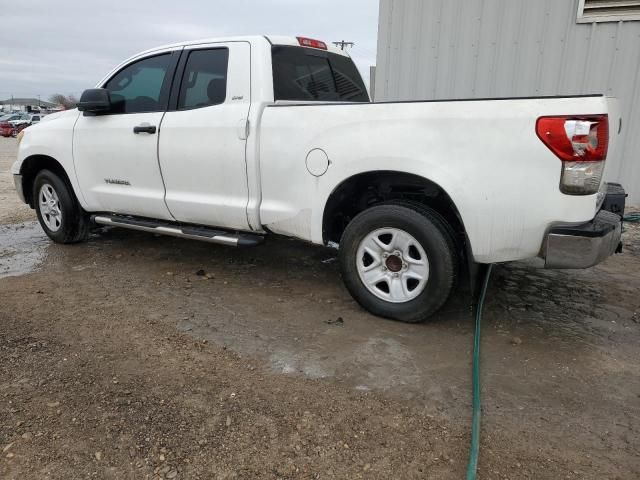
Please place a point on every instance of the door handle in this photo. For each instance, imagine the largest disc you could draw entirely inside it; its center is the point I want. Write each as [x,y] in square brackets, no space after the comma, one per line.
[151,129]
[243,129]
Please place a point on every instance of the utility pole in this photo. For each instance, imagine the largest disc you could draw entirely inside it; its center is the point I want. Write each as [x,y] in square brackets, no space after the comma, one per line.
[343,44]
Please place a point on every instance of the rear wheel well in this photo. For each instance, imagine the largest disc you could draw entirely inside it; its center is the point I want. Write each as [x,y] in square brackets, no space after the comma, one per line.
[365,190]
[34,164]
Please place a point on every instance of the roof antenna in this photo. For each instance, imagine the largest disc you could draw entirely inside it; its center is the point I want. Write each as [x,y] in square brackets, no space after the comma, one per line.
[343,44]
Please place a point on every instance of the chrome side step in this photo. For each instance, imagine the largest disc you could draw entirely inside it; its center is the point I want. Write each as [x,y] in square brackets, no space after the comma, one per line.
[204,234]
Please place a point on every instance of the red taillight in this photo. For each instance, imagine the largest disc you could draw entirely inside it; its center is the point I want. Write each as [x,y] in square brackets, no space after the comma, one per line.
[309,42]
[581,142]
[575,138]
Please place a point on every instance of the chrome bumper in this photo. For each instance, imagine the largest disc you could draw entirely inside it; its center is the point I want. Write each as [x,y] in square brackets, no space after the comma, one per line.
[585,245]
[17,181]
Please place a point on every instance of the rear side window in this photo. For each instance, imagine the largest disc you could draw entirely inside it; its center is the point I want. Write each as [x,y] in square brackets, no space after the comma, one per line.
[141,86]
[204,81]
[301,74]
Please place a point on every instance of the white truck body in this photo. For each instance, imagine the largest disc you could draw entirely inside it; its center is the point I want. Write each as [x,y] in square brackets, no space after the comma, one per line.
[484,154]
[257,164]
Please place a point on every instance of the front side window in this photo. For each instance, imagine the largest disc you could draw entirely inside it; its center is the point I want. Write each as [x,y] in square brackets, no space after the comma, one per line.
[204,81]
[304,74]
[141,86]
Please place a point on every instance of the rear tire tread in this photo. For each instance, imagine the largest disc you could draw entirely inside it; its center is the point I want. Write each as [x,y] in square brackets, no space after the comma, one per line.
[436,238]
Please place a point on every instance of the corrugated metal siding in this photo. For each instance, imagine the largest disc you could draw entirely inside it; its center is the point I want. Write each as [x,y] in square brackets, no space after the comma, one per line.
[435,49]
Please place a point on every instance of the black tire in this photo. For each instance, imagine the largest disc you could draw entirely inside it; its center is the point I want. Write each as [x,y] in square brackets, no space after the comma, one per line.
[73,222]
[433,235]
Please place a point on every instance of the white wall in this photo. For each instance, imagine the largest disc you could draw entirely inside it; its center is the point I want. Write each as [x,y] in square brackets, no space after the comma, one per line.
[436,49]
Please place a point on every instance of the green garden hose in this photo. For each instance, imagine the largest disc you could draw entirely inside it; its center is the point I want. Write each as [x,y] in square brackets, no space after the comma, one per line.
[472,467]
[632,217]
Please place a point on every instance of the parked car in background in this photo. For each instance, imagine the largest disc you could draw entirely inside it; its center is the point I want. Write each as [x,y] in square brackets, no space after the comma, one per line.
[18,128]
[10,117]
[12,124]
[6,127]
[28,119]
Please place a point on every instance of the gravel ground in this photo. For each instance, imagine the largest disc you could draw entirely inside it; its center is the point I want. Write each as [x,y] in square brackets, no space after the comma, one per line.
[11,209]
[136,356]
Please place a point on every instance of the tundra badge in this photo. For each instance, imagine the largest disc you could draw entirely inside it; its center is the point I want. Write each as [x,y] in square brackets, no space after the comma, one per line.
[115,181]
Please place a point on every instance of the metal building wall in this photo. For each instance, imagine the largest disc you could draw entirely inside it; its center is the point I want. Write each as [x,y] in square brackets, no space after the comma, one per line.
[436,49]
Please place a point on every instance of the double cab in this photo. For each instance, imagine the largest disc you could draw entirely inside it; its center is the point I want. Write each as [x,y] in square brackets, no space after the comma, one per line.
[230,140]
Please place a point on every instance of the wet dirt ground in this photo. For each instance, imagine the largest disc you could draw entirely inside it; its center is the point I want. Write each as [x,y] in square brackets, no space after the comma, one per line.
[137,356]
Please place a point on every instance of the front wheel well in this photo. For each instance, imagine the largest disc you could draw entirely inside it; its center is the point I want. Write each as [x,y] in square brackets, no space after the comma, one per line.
[365,190]
[32,165]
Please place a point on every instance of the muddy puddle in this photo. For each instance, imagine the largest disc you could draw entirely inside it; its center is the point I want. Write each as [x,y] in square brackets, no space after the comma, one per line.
[341,342]
[22,248]
[284,305]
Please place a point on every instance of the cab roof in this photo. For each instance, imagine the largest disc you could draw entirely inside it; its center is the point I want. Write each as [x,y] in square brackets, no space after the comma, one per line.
[272,39]
[252,39]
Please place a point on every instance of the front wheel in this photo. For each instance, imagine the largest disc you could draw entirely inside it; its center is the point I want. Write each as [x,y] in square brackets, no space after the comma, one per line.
[398,261]
[58,211]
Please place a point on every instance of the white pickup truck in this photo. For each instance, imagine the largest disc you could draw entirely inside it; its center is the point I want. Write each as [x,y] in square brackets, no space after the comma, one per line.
[229,140]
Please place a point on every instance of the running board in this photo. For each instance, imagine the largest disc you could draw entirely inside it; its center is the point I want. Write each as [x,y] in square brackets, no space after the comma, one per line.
[204,234]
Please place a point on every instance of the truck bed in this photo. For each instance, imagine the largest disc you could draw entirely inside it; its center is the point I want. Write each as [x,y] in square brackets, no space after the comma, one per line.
[483,152]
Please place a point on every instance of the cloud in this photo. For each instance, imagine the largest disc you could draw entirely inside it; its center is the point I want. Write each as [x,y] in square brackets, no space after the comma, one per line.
[66,46]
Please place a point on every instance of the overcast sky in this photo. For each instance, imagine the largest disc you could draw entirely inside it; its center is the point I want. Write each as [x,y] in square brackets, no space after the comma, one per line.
[65,46]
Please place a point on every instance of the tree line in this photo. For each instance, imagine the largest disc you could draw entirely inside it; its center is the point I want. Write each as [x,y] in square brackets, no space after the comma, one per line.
[67,101]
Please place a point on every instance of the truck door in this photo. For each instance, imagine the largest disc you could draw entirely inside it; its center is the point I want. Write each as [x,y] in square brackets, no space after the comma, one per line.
[202,145]
[116,154]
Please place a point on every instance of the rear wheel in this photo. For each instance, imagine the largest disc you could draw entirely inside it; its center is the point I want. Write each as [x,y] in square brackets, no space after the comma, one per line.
[58,211]
[399,261]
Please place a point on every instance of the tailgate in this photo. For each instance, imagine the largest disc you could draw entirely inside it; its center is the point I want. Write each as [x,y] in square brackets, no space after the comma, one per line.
[614,160]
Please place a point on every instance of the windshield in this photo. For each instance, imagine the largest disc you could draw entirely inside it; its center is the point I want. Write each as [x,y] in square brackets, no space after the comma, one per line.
[304,74]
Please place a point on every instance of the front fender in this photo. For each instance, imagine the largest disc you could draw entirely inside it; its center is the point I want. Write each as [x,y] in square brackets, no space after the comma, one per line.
[53,139]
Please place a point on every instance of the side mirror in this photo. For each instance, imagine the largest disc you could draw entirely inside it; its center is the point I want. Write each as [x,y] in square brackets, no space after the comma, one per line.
[95,101]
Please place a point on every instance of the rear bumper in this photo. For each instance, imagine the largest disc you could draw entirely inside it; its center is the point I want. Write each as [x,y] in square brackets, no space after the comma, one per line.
[585,245]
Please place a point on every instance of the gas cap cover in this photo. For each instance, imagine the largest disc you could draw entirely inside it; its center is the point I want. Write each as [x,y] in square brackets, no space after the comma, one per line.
[317,162]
